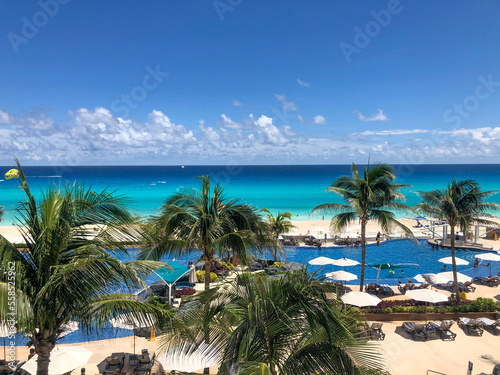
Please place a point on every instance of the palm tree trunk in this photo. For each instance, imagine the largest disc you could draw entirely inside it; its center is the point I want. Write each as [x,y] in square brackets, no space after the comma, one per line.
[43,349]
[208,265]
[363,254]
[454,263]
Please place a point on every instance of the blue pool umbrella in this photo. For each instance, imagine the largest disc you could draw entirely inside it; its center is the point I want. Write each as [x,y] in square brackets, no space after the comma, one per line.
[171,274]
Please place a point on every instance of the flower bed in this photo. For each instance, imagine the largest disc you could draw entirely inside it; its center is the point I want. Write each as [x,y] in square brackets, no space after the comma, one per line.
[184,292]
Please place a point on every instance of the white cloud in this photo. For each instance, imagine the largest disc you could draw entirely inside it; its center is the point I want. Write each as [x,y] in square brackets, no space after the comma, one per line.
[287,106]
[379,116]
[394,132]
[319,120]
[96,136]
[302,83]
[300,118]
[237,103]
[4,117]
[228,123]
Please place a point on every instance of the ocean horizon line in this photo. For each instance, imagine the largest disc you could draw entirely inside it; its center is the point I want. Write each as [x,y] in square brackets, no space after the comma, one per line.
[240,164]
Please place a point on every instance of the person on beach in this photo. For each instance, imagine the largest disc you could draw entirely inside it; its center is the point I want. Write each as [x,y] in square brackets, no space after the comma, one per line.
[378,238]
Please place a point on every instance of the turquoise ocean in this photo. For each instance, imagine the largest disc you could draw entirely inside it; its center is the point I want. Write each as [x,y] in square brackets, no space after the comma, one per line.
[295,188]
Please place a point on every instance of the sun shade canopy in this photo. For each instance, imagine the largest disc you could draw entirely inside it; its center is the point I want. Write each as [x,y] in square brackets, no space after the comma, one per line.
[170,276]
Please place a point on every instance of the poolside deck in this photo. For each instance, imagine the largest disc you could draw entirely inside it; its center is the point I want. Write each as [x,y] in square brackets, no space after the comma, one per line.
[459,245]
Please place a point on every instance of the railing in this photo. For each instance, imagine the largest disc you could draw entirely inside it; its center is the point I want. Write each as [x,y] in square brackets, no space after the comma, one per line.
[434,372]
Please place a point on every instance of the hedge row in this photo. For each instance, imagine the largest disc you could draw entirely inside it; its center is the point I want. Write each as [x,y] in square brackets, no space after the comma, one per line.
[477,305]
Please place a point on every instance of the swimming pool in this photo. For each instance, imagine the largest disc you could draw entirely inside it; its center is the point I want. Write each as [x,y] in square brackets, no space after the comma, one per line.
[392,252]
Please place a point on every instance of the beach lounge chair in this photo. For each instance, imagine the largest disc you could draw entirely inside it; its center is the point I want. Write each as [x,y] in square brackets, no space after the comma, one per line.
[385,290]
[468,287]
[376,331]
[493,324]
[423,286]
[114,364]
[471,325]
[145,363]
[371,288]
[416,330]
[443,328]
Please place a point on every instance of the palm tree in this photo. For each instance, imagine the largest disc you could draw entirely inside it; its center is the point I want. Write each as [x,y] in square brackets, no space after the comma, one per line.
[263,325]
[373,196]
[2,212]
[63,273]
[278,225]
[193,220]
[462,203]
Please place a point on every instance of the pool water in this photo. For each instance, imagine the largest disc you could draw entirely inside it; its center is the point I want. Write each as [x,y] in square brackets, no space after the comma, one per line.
[420,257]
[421,254]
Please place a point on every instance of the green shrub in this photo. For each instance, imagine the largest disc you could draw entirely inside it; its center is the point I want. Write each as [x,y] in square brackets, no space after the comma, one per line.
[398,309]
[387,310]
[200,275]
[277,265]
[229,265]
[482,305]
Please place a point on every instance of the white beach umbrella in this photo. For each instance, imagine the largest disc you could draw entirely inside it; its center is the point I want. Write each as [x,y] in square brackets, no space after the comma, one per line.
[458,261]
[344,262]
[426,295]
[63,359]
[69,328]
[188,358]
[460,276]
[360,299]
[431,278]
[489,256]
[321,261]
[341,275]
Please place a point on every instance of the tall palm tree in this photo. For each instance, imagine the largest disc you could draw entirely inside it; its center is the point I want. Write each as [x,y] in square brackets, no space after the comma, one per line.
[2,212]
[63,273]
[373,196]
[278,225]
[462,203]
[263,325]
[192,220]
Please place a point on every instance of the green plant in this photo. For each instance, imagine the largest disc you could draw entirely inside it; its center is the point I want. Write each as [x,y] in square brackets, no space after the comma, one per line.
[65,274]
[229,265]
[277,265]
[200,275]
[370,195]
[263,325]
[205,220]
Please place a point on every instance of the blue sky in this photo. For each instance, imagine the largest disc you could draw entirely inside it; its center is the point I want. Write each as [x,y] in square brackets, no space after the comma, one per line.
[250,82]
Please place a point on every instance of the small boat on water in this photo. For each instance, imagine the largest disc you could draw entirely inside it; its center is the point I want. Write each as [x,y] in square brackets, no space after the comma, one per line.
[153,183]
